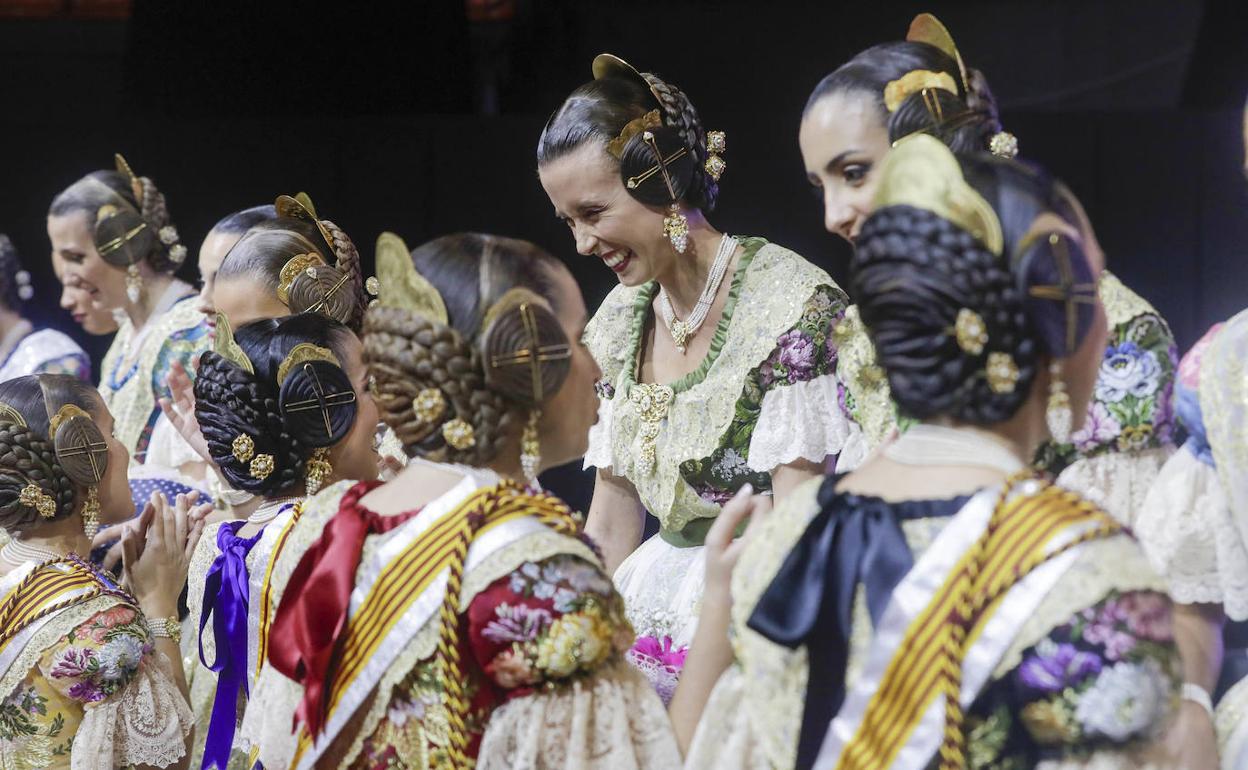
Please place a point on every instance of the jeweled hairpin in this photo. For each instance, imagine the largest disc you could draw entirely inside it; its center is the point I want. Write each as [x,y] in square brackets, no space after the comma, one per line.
[429,405]
[33,496]
[716,145]
[459,434]
[261,467]
[1001,372]
[243,448]
[970,332]
[300,263]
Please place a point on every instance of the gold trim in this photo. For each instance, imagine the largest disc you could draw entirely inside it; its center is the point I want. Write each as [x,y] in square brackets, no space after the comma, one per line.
[291,270]
[302,353]
[914,81]
[632,128]
[227,347]
[7,412]
[400,285]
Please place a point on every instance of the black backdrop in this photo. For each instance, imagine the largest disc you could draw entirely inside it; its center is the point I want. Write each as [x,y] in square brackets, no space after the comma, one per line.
[376,110]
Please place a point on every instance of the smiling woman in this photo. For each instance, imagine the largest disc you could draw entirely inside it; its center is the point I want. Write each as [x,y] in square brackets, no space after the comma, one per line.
[717,351]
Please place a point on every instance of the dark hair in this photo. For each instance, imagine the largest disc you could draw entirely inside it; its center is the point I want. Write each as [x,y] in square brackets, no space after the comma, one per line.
[914,271]
[99,188]
[231,402]
[241,221]
[970,116]
[408,352]
[27,455]
[268,246]
[14,280]
[599,110]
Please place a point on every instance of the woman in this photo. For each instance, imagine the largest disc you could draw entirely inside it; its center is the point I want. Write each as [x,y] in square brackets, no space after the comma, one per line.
[1059,647]
[77,301]
[22,349]
[716,351]
[114,232]
[501,638]
[896,89]
[258,405]
[89,669]
[220,239]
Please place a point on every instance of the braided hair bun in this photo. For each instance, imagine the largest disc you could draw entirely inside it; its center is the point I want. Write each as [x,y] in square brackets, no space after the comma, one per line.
[29,457]
[246,415]
[472,367]
[619,94]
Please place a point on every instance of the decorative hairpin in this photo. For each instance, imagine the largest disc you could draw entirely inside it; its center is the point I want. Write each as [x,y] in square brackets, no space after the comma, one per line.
[399,283]
[1001,372]
[1003,144]
[1066,291]
[632,128]
[9,414]
[534,354]
[33,496]
[261,467]
[300,207]
[926,28]
[716,145]
[227,347]
[303,353]
[429,405]
[243,448]
[914,81]
[459,434]
[970,332]
[299,264]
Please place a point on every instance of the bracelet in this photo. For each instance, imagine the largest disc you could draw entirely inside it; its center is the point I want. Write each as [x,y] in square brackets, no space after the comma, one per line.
[1198,695]
[166,628]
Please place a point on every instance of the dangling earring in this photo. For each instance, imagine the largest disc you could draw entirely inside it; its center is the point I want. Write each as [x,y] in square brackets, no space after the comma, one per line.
[531,447]
[676,228]
[91,513]
[319,470]
[134,283]
[1058,415]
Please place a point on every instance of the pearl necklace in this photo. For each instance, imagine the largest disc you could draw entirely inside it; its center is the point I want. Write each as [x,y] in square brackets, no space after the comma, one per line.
[270,510]
[683,331]
[17,553]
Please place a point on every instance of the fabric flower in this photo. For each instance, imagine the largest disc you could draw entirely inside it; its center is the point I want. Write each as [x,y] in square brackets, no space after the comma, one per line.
[574,641]
[1135,437]
[511,670]
[516,624]
[1099,428]
[1050,722]
[120,657]
[797,355]
[662,651]
[1147,614]
[1055,667]
[1124,701]
[1128,370]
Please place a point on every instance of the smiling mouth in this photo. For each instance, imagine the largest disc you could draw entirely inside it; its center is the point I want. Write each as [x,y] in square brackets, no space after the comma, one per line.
[617,260]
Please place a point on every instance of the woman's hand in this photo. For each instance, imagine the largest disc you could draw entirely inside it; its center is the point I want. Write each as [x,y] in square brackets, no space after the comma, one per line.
[723,548]
[180,410]
[157,554]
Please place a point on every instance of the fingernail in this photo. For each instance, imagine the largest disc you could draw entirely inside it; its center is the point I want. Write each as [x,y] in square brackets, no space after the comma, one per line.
[746,490]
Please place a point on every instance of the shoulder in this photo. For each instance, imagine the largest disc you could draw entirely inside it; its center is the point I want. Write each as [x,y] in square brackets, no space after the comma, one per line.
[769,261]
[52,342]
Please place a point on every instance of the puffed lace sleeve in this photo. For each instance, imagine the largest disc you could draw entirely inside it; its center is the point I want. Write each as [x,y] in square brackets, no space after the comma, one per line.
[551,636]
[133,713]
[803,412]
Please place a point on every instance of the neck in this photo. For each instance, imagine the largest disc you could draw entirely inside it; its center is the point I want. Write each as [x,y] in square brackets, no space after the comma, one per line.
[507,462]
[1022,434]
[154,287]
[63,537]
[686,274]
[11,322]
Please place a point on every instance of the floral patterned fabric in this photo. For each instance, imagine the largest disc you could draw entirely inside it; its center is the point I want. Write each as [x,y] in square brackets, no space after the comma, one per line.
[91,664]
[46,351]
[1104,678]
[543,625]
[1132,408]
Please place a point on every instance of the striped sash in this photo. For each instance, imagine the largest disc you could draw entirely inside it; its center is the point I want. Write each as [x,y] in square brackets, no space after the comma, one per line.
[46,590]
[951,620]
[260,613]
[410,588]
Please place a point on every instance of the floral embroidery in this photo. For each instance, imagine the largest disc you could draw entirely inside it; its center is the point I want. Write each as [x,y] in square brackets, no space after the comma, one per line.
[517,624]
[17,710]
[1133,405]
[1107,676]
[605,390]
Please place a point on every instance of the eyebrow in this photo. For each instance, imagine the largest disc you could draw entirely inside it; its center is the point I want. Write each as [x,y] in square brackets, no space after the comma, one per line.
[839,159]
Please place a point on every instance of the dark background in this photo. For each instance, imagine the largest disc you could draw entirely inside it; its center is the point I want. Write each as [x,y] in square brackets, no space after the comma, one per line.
[422,117]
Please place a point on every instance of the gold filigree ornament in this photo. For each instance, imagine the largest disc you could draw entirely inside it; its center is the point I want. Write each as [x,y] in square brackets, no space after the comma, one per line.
[1001,372]
[224,345]
[652,402]
[300,263]
[459,434]
[401,286]
[1003,144]
[429,405]
[632,128]
[970,332]
[923,172]
[33,496]
[261,467]
[914,81]
[301,354]
[716,145]
[926,28]
[9,414]
[243,448]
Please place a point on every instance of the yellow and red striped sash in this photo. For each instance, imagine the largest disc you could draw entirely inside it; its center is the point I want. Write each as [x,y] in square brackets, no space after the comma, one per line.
[416,569]
[46,590]
[264,616]
[1020,536]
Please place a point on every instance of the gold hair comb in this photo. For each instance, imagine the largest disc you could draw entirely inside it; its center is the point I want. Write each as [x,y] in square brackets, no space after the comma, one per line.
[914,81]
[399,283]
[227,347]
[634,127]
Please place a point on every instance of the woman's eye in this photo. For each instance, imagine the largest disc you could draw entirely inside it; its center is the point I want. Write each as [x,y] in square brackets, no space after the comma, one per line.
[856,173]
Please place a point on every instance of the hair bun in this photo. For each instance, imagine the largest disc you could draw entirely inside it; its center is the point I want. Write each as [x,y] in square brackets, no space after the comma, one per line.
[523,330]
[639,159]
[324,289]
[81,449]
[123,237]
[318,403]
[1053,270]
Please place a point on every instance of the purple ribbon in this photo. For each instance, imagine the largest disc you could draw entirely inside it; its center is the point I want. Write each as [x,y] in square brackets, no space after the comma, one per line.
[226,599]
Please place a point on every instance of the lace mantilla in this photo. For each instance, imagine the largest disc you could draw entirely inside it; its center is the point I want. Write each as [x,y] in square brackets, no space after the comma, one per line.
[771,289]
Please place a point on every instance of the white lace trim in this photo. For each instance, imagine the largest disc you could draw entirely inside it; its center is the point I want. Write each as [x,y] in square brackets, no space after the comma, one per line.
[1231,721]
[598,455]
[855,451]
[798,421]
[1116,481]
[1187,529]
[145,725]
[611,721]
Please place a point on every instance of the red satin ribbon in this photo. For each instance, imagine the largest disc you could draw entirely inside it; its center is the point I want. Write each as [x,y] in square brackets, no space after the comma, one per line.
[304,640]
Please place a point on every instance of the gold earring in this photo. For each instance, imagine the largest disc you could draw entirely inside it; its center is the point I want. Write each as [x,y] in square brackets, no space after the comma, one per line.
[91,513]
[676,228]
[531,447]
[1057,414]
[319,470]
[134,283]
